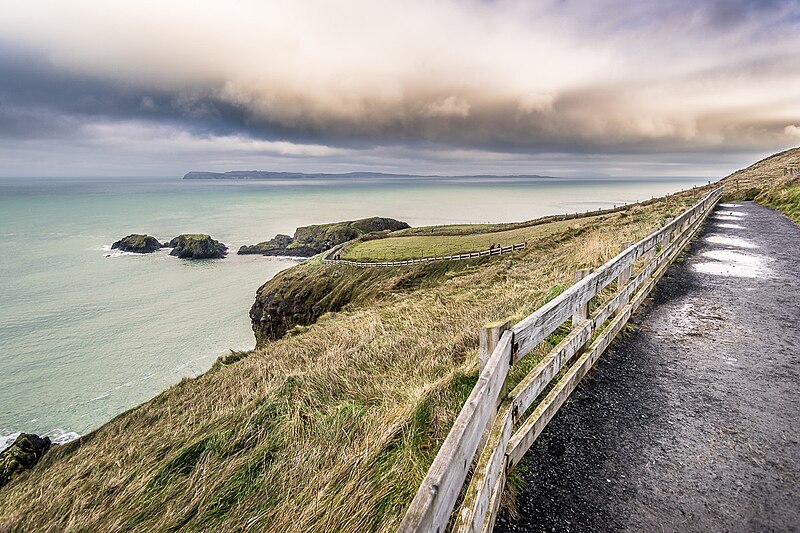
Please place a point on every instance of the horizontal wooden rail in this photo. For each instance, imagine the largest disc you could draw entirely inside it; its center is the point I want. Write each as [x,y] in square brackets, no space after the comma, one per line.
[500,250]
[497,422]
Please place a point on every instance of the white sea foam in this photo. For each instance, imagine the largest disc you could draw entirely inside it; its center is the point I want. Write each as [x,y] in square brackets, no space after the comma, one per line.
[118,253]
[99,397]
[57,436]
[8,440]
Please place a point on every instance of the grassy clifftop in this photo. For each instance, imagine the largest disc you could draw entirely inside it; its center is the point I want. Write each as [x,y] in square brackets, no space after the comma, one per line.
[329,428]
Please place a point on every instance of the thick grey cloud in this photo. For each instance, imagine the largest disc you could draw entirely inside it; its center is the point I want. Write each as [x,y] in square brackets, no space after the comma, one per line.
[426,86]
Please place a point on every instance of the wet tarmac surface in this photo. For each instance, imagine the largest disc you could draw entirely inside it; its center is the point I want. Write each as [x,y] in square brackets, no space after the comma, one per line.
[691,423]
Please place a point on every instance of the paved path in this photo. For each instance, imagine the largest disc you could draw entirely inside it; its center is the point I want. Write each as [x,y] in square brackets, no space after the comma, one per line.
[692,423]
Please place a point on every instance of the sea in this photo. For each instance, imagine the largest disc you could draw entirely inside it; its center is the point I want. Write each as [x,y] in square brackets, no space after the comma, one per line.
[87,333]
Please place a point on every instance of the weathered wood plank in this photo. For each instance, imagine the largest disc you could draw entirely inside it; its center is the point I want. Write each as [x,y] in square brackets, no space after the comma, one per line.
[490,467]
[494,502]
[527,390]
[522,440]
[582,313]
[434,502]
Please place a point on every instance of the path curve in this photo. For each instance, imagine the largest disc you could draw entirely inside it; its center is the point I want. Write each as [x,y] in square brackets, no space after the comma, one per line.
[692,423]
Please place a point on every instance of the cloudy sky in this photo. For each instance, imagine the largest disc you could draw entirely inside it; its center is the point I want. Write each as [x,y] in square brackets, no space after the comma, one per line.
[650,88]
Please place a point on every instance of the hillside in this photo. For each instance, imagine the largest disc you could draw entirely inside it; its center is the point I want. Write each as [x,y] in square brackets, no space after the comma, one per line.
[773,181]
[330,427]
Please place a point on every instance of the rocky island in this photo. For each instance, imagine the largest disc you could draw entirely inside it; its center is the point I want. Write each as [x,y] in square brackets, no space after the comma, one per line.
[138,244]
[311,240]
[197,246]
[185,246]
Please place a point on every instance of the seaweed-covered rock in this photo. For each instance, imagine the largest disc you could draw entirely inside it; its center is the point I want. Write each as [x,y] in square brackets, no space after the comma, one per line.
[137,243]
[197,246]
[22,455]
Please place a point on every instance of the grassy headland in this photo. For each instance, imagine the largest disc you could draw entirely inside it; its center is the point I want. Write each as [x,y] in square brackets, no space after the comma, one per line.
[333,426]
[435,241]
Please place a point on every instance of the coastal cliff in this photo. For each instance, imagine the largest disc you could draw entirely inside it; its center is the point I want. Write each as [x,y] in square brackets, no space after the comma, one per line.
[300,295]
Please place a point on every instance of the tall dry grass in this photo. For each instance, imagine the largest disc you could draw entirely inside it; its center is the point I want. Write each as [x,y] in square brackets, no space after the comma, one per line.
[331,429]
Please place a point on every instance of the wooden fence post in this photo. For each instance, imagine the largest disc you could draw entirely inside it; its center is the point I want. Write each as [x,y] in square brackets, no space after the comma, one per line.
[623,277]
[668,237]
[489,336]
[582,314]
[651,252]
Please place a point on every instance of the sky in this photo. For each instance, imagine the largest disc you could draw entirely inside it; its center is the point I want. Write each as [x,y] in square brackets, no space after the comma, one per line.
[589,88]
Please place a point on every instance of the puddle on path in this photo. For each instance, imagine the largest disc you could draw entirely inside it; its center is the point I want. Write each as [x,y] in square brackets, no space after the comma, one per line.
[730,240]
[729,226]
[697,318]
[729,206]
[735,264]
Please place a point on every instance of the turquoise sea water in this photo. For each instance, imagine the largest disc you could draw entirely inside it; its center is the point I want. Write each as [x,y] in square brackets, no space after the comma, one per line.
[84,336]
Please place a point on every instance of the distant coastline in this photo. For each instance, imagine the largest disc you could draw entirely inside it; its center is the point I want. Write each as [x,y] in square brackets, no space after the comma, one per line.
[265,175]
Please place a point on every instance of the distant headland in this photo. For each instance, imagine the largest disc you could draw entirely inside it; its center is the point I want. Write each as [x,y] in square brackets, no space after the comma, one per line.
[266,174]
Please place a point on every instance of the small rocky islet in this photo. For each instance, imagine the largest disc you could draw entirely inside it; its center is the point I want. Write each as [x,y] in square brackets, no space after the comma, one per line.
[306,242]
[184,246]
[197,246]
[137,243]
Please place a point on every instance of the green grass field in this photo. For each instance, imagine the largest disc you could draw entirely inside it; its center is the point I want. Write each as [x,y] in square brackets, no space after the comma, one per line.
[407,245]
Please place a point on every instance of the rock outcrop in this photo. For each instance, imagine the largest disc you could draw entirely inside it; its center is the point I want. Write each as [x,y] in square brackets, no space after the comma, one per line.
[311,240]
[137,243]
[299,296]
[271,247]
[197,246]
[295,297]
[22,455]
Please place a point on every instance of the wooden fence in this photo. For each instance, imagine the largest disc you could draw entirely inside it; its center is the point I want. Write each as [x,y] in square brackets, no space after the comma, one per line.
[469,255]
[495,425]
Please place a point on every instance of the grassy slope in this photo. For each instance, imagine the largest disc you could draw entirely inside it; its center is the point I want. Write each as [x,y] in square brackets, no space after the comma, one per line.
[766,183]
[785,199]
[329,429]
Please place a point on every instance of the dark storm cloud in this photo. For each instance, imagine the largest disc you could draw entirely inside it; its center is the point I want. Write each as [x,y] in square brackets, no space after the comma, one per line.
[375,80]
[35,96]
